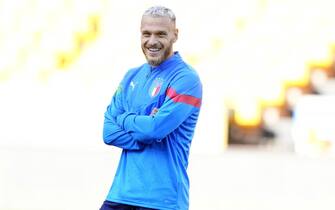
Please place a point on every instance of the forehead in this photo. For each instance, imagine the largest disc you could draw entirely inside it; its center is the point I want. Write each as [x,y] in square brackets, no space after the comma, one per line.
[156,23]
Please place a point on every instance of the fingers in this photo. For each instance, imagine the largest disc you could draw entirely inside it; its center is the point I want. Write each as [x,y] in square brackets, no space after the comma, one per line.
[154,111]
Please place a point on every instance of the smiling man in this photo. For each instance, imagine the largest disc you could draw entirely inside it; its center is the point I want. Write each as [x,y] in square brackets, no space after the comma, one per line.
[159,33]
[152,117]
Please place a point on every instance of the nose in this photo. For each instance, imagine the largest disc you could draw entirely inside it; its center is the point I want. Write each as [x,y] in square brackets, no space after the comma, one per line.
[152,40]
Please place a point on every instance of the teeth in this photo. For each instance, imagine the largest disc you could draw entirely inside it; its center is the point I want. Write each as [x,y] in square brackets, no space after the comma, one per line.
[153,49]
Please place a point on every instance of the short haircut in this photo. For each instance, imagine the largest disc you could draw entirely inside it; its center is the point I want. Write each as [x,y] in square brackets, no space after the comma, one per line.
[160,11]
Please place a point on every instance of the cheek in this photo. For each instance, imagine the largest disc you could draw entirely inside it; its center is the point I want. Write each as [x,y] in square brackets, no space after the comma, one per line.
[144,40]
[165,42]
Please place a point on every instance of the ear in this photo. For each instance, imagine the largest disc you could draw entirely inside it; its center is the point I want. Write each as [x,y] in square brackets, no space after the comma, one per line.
[175,35]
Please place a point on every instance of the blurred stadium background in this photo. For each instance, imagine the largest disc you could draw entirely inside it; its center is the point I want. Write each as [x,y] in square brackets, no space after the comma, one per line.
[265,138]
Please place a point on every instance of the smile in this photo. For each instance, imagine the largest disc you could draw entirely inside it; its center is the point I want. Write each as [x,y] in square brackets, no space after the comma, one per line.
[154,49]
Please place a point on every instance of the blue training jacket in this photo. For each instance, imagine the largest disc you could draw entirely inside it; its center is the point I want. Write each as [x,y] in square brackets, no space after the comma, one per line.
[152,169]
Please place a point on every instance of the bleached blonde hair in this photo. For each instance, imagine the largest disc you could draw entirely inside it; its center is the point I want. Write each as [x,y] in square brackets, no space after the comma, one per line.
[160,11]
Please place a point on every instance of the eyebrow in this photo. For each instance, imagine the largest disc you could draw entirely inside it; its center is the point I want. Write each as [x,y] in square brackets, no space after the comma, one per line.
[154,32]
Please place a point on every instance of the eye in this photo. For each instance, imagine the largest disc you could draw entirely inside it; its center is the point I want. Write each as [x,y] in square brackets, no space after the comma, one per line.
[146,34]
[162,34]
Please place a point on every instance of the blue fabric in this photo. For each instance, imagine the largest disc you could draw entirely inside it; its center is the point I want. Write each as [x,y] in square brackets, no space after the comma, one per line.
[107,205]
[152,168]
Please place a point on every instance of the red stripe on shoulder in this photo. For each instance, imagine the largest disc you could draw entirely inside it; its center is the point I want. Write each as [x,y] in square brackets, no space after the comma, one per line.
[187,99]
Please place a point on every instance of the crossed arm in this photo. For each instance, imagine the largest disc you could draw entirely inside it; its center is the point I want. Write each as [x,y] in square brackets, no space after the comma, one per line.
[131,131]
[114,135]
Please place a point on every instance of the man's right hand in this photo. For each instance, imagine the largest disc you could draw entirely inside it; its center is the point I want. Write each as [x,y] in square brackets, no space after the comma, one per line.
[154,111]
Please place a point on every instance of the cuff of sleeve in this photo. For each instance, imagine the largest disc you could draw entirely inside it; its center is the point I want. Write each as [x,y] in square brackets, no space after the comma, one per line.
[121,119]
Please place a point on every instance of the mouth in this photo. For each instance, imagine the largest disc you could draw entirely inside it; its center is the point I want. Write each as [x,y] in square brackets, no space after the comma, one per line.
[153,51]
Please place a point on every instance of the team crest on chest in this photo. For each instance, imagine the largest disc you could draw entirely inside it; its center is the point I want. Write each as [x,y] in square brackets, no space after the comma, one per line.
[155,87]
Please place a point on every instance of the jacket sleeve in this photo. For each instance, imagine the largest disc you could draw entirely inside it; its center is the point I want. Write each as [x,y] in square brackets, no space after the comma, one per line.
[183,97]
[113,134]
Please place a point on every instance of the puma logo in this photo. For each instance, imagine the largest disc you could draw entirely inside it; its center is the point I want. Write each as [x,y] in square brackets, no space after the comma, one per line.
[132,84]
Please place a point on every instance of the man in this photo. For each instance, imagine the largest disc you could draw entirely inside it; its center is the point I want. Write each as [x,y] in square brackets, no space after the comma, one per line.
[152,117]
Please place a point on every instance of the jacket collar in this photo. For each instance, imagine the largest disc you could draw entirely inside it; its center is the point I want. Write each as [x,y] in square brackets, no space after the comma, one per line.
[175,58]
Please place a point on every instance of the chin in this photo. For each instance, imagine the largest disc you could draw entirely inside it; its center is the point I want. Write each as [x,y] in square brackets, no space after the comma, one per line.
[155,61]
